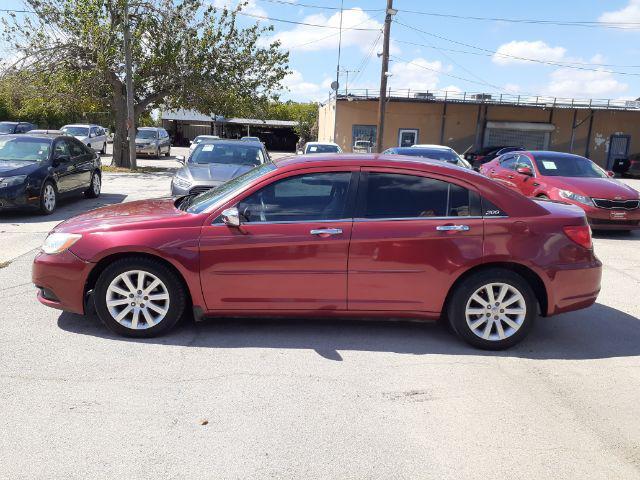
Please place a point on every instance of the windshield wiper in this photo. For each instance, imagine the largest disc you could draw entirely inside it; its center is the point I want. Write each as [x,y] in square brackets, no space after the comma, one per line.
[185,201]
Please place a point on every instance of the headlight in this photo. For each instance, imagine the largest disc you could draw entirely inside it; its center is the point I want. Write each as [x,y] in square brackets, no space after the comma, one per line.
[12,181]
[576,197]
[59,242]
[181,182]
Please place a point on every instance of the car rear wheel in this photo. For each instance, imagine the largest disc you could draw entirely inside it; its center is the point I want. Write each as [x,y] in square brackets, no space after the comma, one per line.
[139,297]
[492,309]
[48,198]
[104,148]
[94,187]
[168,154]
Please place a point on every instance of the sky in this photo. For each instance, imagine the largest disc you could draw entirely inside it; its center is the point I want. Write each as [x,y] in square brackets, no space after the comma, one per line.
[431,49]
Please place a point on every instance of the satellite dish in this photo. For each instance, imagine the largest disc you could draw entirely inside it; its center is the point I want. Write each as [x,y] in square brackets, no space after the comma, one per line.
[334,85]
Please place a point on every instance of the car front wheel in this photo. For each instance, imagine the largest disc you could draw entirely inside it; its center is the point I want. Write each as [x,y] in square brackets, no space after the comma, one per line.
[492,309]
[139,297]
[48,198]
[94,187]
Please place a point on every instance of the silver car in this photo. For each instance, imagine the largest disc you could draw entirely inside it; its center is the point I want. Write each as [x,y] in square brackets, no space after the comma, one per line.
[153,141]
[214,162]
[93,136]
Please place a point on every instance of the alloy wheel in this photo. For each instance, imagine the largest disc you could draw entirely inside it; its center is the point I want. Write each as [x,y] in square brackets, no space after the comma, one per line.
[495,311]
[97,184]
[49,199]
[137,299]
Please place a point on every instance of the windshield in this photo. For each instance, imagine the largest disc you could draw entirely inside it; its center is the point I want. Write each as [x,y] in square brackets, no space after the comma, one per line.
[7,127]
[209,198]
[362,143]
[76,131]
[430,153]
[227,154]
[568,166]
[24,149]
[322,149]
[146,134]
[202,139]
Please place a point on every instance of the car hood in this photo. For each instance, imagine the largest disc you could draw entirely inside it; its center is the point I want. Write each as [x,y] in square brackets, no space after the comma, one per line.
[594,187]
[82,138]
[213,172]
[142,214]
[9,168]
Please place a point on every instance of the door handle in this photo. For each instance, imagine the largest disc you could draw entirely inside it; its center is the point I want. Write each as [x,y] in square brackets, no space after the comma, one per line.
[326,231]
[450,228]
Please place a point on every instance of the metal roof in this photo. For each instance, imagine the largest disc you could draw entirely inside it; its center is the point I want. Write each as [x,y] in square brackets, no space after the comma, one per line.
[195,116]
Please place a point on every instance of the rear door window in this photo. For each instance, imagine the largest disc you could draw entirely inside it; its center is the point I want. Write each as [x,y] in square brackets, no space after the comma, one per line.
[400,196]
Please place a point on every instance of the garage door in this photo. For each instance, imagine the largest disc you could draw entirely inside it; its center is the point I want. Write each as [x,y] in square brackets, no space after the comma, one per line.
[532,136]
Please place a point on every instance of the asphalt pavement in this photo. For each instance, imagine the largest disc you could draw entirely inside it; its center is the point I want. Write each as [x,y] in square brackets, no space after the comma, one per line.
[238,399]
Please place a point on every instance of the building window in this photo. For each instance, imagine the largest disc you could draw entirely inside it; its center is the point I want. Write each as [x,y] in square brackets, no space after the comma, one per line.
[364,138]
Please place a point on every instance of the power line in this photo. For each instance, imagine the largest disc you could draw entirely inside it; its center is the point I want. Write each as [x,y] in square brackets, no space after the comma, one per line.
[316,40]
[271,19]
[321,7]
[545,62]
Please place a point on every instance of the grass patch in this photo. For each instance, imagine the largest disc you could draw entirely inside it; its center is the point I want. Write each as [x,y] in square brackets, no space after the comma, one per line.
[110,169]
[5,264]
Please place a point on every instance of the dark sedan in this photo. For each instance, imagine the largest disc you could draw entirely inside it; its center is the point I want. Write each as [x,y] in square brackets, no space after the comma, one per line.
[36,169]
[8,128]
[432,152]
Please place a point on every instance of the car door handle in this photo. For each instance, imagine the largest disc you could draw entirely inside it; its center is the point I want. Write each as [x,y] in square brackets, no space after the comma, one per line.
[326,231]
[450,228]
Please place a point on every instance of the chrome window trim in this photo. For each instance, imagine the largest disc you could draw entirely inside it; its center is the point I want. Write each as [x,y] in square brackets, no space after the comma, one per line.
[363,220]
[289,222]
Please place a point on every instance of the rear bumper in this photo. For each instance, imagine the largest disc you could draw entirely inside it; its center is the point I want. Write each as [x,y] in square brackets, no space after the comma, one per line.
[574,288]
[60,280]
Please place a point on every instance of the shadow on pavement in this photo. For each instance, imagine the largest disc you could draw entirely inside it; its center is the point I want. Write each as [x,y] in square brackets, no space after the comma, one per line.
[67,207]
[617,234]
[598,332]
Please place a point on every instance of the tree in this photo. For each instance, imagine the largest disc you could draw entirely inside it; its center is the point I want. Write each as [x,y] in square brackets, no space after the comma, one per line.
[185,54]
[306,114]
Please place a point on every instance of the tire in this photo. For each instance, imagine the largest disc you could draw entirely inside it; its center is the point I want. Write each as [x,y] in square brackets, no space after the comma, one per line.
[94,187]
[48,198]
[506,329]
[157,155]
[147,322]
[168,154]
[104,148]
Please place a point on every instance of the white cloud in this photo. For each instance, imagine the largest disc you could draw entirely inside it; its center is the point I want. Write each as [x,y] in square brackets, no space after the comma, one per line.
[536,50]
[568,82]
[306,38]
[250,8]
[628,14]
[419,74]
[302,90]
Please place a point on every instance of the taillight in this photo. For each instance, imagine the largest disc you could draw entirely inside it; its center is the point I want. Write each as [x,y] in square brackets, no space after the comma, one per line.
[581,234]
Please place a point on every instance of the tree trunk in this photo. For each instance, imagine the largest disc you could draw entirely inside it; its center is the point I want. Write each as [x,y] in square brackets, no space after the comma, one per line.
[120,143]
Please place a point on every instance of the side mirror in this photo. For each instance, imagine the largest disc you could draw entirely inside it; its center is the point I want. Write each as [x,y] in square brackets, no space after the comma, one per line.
[524,171]
[231,217]
[180,159]
[610,173]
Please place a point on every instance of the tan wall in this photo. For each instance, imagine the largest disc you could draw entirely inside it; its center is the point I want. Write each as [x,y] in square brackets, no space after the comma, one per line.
[326,121]
[461,124]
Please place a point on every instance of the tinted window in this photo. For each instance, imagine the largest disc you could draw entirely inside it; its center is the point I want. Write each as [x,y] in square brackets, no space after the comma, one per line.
[407,196]
[568,166]
[147,134]
[524,161]
[322,149]
[227,154]
[77,149]
[76,131]
[61,149]
[430,153]
[7,127]
[312,197]
[509,162]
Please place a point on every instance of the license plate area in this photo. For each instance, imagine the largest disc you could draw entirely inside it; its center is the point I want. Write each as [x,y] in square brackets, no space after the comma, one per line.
[618,215]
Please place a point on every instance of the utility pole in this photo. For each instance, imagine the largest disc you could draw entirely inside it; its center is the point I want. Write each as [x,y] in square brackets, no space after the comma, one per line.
[335,112]
[131,127]
[382,104]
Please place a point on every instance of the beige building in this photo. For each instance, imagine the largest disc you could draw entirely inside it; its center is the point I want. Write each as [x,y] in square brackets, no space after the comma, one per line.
[601,130]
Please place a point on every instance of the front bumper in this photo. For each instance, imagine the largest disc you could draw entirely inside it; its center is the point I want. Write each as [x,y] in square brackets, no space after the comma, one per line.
[612,219]
[146,149]
[60,280]
[17,197]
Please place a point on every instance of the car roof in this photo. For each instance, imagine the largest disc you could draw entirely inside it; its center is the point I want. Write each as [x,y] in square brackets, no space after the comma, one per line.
[149,128]
[551,154]
[233,141]
[48,136]
[12,123]
[429,145]
[81,125]
[323,143]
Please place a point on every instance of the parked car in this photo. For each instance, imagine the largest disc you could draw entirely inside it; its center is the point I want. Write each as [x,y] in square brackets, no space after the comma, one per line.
[328,236]
[634,166]
[10,128]
[486,154]
[563,177]
[35,170]
[362,146]
[432,152]
[320,147]
[201,138]
[153,141]
[93,136]
[251,139]
[39,131]
[214,162]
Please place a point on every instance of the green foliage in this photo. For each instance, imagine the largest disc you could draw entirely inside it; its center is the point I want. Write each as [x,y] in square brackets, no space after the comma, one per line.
[306,114]
[186,54]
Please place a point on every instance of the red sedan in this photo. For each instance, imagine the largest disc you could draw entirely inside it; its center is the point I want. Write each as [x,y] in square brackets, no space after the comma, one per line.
[608,203]
[328,236]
